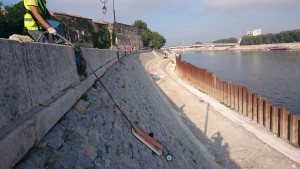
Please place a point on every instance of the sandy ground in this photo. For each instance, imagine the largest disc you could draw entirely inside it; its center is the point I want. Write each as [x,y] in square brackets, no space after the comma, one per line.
[149,91]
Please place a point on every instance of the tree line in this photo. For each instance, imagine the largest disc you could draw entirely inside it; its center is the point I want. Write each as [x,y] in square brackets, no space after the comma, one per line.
[282,37]
[12,20]
[270,38]
[151,39]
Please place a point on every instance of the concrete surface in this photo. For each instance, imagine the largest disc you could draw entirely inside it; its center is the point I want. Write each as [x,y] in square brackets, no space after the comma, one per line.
[101,138]
[39,84]
[190,126]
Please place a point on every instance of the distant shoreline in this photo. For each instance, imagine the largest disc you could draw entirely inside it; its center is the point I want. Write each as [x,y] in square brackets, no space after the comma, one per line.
[293,46]
[262,47]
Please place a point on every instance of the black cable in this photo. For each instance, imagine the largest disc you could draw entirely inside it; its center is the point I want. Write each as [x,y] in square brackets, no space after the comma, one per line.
[109,94]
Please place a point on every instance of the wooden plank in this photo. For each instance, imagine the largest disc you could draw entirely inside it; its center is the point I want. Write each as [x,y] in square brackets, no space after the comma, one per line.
[250,105]
[267,115]
[275,120]
[226,93]
[294,130]
[232,88]
[236,98]
[260,115]
[284,115]
[254,106]
[245,91]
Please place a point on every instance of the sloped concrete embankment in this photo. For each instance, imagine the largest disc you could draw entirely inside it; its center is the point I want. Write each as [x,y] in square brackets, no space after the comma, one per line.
[39,84]
[101,137]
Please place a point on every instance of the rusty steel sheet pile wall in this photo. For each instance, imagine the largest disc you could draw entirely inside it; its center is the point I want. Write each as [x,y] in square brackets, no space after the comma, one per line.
[279,121]
[39,83]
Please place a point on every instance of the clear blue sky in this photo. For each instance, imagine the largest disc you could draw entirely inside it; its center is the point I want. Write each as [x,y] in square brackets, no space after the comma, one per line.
[190,21]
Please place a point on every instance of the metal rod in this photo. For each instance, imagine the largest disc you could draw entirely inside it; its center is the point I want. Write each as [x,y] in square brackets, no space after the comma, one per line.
[114,11]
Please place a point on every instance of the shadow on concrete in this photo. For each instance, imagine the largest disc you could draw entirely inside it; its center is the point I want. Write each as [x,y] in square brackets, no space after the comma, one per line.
[215,145]
[206,118]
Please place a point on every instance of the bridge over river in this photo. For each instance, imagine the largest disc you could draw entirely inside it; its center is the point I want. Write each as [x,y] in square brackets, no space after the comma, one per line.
[203,45]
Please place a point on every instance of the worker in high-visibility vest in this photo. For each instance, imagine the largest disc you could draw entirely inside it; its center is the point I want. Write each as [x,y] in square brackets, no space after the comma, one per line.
[35,18]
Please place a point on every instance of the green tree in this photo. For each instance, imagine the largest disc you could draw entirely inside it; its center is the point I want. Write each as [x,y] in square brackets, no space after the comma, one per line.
[158,40]
[282,37]
[153,39]
[101,39]
[140,25]
[146,36]
[12,19]
[229,40]
[3,21]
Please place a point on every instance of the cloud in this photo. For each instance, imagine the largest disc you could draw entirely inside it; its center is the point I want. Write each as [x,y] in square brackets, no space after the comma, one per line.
[254,4]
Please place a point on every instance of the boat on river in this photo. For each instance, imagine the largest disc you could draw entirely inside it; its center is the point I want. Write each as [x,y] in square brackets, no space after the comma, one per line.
[278,48]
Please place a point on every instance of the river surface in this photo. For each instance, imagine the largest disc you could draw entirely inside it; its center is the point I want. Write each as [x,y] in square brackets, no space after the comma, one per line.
[274,75]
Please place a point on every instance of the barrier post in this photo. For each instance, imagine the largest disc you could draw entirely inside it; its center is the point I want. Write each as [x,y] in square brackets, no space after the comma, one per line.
[275,120]
[240,99]
[203,80]
[284,116]
[236,98]
[211,84]
[294,130]
[222,91]
[214,86]
[267,115]
[244,90]
[254,106]
[232,95]
[219,90]
[260,115]
[250,105]
[199,79]
[226,93]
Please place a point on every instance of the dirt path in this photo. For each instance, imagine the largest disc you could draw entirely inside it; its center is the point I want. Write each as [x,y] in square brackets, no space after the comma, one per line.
[226,139]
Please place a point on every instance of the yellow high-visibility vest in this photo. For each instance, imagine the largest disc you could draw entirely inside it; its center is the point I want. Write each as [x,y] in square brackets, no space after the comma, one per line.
[29,22]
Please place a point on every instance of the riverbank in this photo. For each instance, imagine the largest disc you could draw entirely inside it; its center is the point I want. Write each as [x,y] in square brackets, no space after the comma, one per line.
[262,47]
[292,46]
[197,134]
[248,144]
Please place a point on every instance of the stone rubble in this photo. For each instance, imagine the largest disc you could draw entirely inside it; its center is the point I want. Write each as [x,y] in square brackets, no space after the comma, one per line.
[101,137]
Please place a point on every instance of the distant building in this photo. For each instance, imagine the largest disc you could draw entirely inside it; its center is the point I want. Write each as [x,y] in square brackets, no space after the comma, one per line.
[80,29]
[76,28]
[254,32]
[129,37]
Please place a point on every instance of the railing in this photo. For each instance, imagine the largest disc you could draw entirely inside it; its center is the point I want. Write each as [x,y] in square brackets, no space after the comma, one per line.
[279,121]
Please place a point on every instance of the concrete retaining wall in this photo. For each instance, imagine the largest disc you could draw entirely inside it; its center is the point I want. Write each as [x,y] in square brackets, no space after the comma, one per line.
[39,83]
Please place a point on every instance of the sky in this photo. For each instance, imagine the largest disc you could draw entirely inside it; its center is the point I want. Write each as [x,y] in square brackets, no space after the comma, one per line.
[184,22]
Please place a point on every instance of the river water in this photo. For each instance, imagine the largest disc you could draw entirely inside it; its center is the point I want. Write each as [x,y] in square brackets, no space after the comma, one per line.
[274,75]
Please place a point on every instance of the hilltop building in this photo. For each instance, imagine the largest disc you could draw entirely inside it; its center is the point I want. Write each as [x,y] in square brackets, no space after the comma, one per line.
[254,32]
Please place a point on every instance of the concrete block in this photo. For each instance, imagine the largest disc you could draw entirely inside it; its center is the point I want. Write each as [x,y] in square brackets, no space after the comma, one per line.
[16,144]
[50,69]
[14,92]
[36,74]
[49,116]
